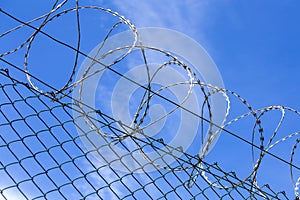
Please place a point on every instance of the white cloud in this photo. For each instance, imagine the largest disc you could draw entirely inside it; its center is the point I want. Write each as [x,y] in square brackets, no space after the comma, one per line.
[97,181]
[187,16]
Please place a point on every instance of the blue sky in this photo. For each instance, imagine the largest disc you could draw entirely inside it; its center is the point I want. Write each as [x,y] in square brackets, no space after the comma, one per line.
[257,40]
[254,45]
[256,48]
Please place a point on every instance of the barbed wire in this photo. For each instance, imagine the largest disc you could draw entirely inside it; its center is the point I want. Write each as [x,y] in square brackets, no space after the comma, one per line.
[191,171]
[58,110]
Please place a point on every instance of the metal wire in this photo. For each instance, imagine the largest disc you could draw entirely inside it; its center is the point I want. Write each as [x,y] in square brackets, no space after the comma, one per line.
[41,140]
[43,158]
